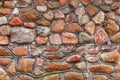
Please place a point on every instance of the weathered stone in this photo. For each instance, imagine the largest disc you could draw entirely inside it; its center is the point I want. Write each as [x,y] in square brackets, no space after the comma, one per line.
[94,50]
[41,8]
[36,52]
[69,38]
[80,11]
[99,18]
[91,10]
[116,38]
[73,3]
[3,75]
[117,77]
[100,36]
[4,52]
[58,14]
[39,62]
[25,64]
[23,77]
[101,68]
[41,40]
[4,40]
[4,61]
[115,5]
[5,30]
[74,58]
[86,2]
[22,35]
[15,11]
[110,56]
[83,19]
[29,14]
[21,4]
[65,10]
[3,20]
[30,25]
[81,66]
[97,2]
[99,77]
[71,18]
[54,56]
[12,68]
[108,1]
[67,49]
[56,66]
[51,48]
[20,51]
[58,26]
[105,8]
[38,72]
[73,76]
[52,77]
[55,39]
[9,4]
[84,38]
[43,22]
[5,11]
[90,28]
[73,27]
[111,27]
[62,1]
[49,15]
[92,59]
[53,4]
[43,31]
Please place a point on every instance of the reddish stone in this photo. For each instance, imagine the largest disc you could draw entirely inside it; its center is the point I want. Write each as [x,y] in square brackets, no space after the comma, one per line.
[105,47]
[118,67]
[25,64]
[4,61]
[23,77]
[5,30]
[101,68]
[73,3]
[100,36]
[111,15]
[74,58]
[117,77]
[30,25]
[38,72]
[69,38]
[86,2]
[53,4]
[58,26]
[56,66]
[99,77]
[73,27]
[5,11]
[8,4]
[73,76]
[62,1]
[4,40]
[116,38]
[41,1]
[4,52]
[41,40]
[20,51]
[51,49]
[91,10]
[39,62]
[49,15]
[4,75]
[15,21]
[115,5]
[12,68]
[55,56]
[94,51]
[52,77]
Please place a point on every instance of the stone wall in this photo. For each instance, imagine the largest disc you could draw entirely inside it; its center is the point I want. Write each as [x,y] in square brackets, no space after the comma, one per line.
[59,40]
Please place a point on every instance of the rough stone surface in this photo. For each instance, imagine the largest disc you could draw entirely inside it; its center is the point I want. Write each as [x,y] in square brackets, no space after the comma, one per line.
[99,77]
[4,75]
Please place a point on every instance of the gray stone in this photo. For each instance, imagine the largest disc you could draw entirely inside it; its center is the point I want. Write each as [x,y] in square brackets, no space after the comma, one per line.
[3,20]
[83,19]
[84,37]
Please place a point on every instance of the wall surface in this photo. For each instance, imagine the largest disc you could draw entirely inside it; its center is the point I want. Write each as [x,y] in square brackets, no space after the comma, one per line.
[59,40]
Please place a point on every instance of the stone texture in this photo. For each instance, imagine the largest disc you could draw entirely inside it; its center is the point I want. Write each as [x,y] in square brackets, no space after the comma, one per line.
[111,27]
[74,58]
[4,75]
[110,56]
[58,26]
[4,52]
[81,66]
[5,30]
[41,8]
[90,28]
[73,75]
[100,36]
[83,19]
[92,59]
[115,38]
[3,20]
[4,40]
[5,11]
[55,39]
[73,3]
[52,77]
[73,27]
[23,77]
[29,14]
[56,66]
[43,22]
[30,25]
[20,51]
[80,11]
[99,18]
[12,68]
[43,31]
[58,14]
[48,15]
[69,38]
[25,64]
[85,2]
[84,38]
[4,61]
[41,40]
[36,51]
[99,77]
[101,68]
[22,35]
[71,18]
[15,21]
[53,4]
